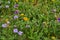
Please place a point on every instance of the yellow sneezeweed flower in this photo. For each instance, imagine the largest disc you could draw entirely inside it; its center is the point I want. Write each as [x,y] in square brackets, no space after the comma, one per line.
[33,1]
[26,0]
[25,19]
[53,0]
[22,14]
[53,37]
[6,20]
[16,0]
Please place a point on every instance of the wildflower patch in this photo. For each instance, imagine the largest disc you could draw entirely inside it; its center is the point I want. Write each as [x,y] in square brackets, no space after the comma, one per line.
[29,19]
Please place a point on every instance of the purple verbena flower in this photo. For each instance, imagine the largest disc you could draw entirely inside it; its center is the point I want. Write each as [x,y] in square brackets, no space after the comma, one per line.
[16,11]
[4,25]
[59,19]
[16,5]
[20,33]
[15,17]
[15,30]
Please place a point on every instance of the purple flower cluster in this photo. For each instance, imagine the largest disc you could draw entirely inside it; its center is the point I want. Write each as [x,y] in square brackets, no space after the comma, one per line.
[4,25]
[15,17]
[15,30]
[59,19]
[20,32]
[16,5]
[16,11]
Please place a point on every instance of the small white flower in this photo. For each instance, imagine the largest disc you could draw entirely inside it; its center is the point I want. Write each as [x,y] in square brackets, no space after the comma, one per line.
[7,6]
[53,10]
[8,2]
[8,22]
[0,6]
[27,26]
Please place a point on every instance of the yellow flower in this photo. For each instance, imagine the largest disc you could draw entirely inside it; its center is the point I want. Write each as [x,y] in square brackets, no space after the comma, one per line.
[53,37]
[25,18]
[16,0]
[33,0]
[26,0]
[21,14]
[6,20]
[53,0]
[2,16]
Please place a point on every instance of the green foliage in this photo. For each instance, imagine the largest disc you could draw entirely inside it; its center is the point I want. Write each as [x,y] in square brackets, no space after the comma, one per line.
[42,21]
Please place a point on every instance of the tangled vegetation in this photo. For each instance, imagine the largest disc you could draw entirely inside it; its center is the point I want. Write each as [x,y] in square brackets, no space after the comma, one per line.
[29,19]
